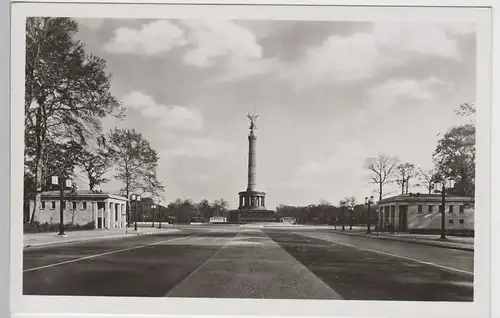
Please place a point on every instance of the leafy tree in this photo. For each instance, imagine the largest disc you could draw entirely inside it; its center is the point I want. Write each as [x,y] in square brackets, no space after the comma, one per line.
[466,109]
[135,161]
[96,163]
[455,158]
[204,208]
[382,168]
[219,207]
[66,91]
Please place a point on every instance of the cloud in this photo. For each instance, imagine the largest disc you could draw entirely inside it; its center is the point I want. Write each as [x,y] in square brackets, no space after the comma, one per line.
[91,23]
[215,38]
[197,147]
[461,28]
[416,38]
[152,39]
[345,59]
[206,43]
[339,59]
[174,117]
[398,91]
[341,163]
[226,42]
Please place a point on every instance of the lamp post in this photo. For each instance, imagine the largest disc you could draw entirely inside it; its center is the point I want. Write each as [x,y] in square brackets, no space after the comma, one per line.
[343,205]
[159,214]
[62,183]
[350,208]
[153,207]
[443,192]
[135,198]
[368,202]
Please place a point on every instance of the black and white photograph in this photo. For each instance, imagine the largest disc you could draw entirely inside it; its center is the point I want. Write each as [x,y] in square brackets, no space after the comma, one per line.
[251,158]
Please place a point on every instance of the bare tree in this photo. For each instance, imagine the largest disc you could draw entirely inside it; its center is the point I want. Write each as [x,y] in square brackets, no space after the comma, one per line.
[383,169]
[405,172]
[427,177]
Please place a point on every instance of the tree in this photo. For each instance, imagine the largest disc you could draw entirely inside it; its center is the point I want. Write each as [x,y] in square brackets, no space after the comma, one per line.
[135,161]
[67,91]
[220,206]
[455,158]
[466,109]
[96,163]
[382,168]
[204,208]
[405,172]
[428,177]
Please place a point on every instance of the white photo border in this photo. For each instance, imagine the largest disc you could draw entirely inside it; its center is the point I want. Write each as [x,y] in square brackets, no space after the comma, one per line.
[31,306]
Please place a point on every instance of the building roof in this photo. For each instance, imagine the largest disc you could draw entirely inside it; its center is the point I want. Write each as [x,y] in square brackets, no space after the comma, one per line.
[423,197]
[83,194]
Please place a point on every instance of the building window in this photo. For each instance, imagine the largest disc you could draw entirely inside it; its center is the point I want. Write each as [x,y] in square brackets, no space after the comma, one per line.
[84,205]
[440,208]
[53,205]
[430,208]
[450,209]
[461,209]
[64,205]
[419,209]
[74,205]
[43,205]
[450,221]
[461,221]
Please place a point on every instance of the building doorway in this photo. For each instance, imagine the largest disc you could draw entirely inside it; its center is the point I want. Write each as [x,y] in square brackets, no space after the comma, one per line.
[403,218]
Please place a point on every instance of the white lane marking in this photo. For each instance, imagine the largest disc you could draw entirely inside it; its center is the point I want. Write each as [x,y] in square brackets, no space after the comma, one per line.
[404,257]
[107,253]
[203,264]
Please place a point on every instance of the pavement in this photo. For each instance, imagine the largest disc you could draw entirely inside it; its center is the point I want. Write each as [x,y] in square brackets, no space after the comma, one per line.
[32,240]
[453,242]
[250,262]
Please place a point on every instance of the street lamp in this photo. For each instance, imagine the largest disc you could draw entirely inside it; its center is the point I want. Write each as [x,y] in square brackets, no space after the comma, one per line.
[343,205]
[350,208]
[444,190]
[135,198]
[59,181]
[368,202]
[159,214]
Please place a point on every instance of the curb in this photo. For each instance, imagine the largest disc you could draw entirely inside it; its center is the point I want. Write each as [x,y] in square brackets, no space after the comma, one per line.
[47,244]
[430,243]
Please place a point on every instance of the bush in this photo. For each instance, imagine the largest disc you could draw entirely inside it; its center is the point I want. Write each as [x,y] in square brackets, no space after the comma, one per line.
[36,227]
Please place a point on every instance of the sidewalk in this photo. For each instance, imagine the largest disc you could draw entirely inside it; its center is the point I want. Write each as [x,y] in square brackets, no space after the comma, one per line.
[52,238]
[453,242]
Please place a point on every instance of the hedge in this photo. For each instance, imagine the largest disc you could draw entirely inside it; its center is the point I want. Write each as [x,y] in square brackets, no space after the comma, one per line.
[54,227]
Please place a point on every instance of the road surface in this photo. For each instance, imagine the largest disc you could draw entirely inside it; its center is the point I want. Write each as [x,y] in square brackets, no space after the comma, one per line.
[238,262]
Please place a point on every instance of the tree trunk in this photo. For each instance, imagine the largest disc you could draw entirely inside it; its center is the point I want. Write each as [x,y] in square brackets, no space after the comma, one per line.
[38,184]
[403,187]
[407,183]
[380,191]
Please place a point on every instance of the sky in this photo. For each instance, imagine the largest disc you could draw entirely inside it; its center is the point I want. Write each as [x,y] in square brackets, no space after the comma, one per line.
[329,94]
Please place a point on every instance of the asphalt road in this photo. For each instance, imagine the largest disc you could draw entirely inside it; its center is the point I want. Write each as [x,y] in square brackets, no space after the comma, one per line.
[234,262]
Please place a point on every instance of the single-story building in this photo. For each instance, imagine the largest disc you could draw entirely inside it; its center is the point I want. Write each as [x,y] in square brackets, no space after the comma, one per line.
[423,211]
[106,210]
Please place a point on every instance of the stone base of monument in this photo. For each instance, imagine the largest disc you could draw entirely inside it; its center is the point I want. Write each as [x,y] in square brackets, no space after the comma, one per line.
[242,216]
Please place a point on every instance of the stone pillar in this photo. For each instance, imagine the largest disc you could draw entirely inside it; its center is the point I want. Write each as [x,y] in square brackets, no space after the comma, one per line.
[123,219]
[251,161]
[108,216]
